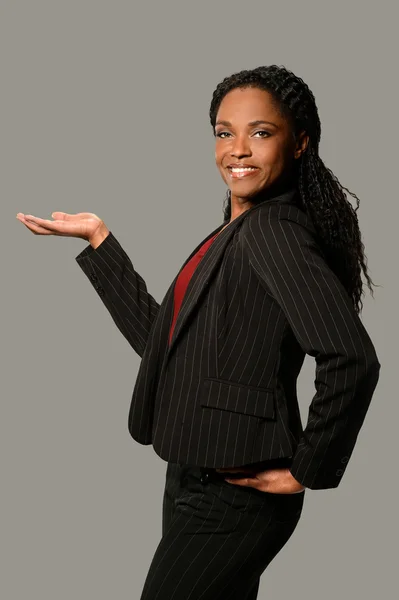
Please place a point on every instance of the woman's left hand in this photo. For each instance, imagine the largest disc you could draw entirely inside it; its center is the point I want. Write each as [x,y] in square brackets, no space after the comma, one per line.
[273,481]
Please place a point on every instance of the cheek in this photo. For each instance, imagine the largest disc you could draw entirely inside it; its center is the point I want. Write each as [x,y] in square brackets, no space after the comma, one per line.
[269,154]
[219,154]
[219,160]
[274,161]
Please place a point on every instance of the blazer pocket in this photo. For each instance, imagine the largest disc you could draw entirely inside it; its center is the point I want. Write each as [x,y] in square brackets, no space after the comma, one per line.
[239,398]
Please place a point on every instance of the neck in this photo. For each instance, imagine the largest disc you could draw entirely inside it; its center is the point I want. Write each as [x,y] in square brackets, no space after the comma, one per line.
[276,189]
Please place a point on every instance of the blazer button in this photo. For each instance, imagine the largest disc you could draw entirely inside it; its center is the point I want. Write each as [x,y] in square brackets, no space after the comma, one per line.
[93,277]
[339,472]
[344,459]
[100,290]
[204,477]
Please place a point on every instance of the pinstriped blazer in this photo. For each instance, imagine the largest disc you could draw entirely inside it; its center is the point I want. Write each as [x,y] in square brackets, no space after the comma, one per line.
[223,393]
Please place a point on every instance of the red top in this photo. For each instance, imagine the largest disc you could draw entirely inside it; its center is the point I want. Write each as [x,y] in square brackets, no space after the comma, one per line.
[184,278]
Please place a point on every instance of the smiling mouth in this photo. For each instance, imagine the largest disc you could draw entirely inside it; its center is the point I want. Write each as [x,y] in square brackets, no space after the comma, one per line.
[240,172]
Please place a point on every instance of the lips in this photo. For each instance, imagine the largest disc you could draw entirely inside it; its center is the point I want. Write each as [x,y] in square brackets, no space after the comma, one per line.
[239,171]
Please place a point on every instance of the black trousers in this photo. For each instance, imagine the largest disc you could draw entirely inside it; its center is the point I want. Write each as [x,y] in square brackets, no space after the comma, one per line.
[217,537]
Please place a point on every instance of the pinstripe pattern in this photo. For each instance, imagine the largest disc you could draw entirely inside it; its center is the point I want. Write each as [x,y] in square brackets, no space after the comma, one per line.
[217,538]
[224,392]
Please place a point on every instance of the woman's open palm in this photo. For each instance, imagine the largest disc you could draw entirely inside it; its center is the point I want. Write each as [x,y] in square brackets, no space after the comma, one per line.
[81,225]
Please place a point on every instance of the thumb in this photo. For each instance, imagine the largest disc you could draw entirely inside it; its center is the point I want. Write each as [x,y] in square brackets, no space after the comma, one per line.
[73,217]
[63,216]
[243,481]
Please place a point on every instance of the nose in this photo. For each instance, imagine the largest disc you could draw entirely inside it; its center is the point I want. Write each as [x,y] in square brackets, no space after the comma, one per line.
[240,147]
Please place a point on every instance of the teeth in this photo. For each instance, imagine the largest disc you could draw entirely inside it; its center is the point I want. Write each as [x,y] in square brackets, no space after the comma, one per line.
[242,169]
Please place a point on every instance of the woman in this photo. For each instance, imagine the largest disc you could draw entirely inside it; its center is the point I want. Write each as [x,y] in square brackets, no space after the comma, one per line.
[216,390]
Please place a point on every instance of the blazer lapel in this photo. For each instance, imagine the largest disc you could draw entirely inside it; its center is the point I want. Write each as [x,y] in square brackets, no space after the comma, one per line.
[207,267]
[204,272]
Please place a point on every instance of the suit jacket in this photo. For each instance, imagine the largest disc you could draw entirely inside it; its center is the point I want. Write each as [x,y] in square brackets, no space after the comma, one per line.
[223,394]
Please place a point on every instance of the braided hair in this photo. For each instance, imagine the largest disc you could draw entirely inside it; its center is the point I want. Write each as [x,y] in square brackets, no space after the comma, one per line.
[320,193]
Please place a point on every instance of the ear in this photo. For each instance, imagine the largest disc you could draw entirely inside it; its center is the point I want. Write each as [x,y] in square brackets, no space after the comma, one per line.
[301,144]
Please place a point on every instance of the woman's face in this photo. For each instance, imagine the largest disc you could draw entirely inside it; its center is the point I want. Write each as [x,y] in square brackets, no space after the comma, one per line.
[250,132]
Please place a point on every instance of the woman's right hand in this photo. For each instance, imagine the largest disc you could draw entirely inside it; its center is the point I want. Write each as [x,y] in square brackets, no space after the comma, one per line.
[82,225]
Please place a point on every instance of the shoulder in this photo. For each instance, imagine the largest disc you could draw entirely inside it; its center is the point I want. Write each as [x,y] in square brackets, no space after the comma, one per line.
[270,214]
[277,228]
[275,217]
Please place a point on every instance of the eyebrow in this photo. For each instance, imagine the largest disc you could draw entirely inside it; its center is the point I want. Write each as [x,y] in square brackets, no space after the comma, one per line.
[252,123]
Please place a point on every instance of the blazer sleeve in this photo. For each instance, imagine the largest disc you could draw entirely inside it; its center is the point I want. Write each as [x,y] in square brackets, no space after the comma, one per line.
[285,255]
[122,290]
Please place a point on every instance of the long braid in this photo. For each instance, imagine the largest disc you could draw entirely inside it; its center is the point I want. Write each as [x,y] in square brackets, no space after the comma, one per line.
[321,194]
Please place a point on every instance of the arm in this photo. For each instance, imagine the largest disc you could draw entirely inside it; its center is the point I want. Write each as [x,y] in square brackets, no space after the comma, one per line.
[122,290]
[283,252]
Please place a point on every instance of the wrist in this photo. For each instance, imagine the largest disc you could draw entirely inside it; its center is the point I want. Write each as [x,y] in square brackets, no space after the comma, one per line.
[297,483]
[99,236]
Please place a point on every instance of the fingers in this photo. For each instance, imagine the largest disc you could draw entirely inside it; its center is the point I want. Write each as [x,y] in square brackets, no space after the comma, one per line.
[244,482]
[72,227]
[63,216]
[34,227]
[46,224]
[43,226]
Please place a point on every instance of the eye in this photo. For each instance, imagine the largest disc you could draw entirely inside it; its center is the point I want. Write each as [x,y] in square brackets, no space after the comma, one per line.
[222,134]
[262,131]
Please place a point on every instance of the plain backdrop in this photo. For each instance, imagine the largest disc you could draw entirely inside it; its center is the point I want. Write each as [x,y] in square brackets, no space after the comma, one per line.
[104,108]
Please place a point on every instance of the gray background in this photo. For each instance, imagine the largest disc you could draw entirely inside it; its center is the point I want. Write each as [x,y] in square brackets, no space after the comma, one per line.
[104,108]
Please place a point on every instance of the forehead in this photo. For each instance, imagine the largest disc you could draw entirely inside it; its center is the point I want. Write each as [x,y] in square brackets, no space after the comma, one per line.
[246,104]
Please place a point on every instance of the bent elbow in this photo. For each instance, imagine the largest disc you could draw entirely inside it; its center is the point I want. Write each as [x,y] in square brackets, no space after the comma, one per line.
[373,364]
